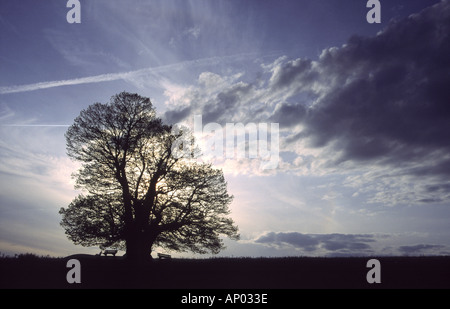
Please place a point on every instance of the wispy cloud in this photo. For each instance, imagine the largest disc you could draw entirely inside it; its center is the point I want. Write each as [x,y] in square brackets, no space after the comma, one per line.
[59,83]
[126,76]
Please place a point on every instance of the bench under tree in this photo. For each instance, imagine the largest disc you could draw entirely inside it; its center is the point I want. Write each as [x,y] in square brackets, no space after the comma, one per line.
[164,256]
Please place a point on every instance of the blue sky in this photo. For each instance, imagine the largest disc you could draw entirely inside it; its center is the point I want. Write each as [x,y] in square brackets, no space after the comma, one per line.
[362,110]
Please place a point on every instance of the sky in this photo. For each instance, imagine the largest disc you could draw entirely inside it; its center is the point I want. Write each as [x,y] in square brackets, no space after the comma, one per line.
[362,110]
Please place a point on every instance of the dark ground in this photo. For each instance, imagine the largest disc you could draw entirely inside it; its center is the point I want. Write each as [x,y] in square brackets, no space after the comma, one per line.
[226,273]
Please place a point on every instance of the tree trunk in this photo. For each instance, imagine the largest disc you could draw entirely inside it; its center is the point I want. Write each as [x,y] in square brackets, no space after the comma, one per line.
[139,247]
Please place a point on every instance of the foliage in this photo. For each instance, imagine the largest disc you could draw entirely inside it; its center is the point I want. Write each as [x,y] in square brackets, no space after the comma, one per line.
[139,193]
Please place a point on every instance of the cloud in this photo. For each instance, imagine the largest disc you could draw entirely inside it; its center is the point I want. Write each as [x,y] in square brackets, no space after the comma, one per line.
[35,181]
[288,115]
[422,249]
[376,104]
[6,112]
[382,98]
[336,244]
[293,76]
[194,32]
[176,116]
[217,98]
[297,240]
[333,244]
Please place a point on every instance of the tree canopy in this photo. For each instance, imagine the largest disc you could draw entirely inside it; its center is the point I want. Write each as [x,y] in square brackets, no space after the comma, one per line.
[137,192]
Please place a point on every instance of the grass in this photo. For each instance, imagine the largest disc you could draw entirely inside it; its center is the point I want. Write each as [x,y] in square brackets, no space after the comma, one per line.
[30,271]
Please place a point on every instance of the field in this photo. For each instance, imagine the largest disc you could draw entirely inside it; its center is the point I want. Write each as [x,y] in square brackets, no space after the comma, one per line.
[30,271]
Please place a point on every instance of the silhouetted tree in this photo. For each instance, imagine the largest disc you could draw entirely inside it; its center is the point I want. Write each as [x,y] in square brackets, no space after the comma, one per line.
[138,193]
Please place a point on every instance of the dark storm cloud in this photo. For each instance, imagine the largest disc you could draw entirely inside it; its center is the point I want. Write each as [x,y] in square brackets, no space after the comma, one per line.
[177,115]
[332,243]
[378,101]
[384,97]
[438,188]
[288,115]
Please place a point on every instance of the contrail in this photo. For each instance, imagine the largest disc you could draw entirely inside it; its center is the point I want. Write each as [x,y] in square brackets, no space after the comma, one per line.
[117,76]
[77,81]
[35,125]
[69,82]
